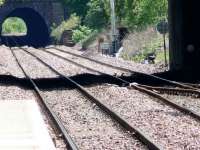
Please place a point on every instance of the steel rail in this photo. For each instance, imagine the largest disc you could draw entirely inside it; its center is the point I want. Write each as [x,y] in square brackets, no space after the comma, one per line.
[193,85]
[151,93]
[127,70]
[174,91]
[145,139]
[54,117]
[160,89]
[125,83]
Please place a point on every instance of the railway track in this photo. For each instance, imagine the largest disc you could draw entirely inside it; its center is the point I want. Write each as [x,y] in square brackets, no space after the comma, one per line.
[194,88]
[173,91]
[144,89]
[193,85]
[179,89]
[68,140]
[125,70]
[141,89]
[124,124]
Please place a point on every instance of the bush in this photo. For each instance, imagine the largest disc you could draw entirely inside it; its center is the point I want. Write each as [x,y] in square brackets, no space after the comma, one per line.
[91,38]
[81,33]
[96,16]
[76,6]
[14,25]
[71,23]
[2,2]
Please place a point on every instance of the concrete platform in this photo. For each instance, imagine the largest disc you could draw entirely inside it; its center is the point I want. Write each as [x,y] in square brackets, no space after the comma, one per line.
[22,127]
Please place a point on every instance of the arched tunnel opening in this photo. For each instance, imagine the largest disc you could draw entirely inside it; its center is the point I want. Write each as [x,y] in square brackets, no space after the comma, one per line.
[37,30]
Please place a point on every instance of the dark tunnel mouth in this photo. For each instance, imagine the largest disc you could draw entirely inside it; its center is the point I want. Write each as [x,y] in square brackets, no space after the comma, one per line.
[37,29]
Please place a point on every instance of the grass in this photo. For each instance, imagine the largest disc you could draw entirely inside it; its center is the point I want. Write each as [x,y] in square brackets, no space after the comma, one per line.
[139,45]
[161,56]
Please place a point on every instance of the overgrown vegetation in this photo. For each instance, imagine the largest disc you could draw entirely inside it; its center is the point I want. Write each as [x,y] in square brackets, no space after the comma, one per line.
[81,33]
[90,16]
[136,15]
[77,6]
[154,45]
[131,13]
[14,25]
[87,41]
[96,16]
[72,23]
[2,2]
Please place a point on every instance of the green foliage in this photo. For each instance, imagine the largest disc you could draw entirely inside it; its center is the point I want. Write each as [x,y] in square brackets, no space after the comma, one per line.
[141,13]
[87,41]
[14,25]
[161,56]
[92,12]
[134,14]
[96,15]
[2,2]
[155,46]
[77,6]
[137,14]
[81,33]
[71,23]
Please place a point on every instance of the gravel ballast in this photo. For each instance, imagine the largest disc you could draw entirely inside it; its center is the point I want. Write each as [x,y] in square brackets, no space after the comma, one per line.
[15,93]
[167,126]
[188,102]
[88,126]
[62,66]
[34,66]
[88,63]
[8,66]
[145,68]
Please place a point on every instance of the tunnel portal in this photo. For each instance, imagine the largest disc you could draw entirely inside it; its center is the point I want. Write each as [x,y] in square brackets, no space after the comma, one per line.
[37,30]
[39,17]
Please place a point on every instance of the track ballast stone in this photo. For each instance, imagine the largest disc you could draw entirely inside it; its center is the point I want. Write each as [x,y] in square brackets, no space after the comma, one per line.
[166,125]
[85,122]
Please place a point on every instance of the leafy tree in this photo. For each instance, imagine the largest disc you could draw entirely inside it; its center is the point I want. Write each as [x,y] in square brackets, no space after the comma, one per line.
[1,2]
[81,33]
[72,23]
[77,6]
[96,16]
[14,25]
[120,9]
[140,13]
